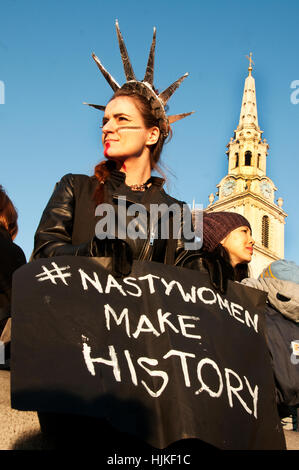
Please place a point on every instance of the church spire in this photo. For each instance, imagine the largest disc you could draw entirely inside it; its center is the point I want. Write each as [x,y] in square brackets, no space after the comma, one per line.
[247,151]
[246,189]
[248,114]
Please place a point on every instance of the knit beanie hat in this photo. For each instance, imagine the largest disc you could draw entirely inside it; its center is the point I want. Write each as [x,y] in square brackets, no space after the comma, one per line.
[217,225]
[283,270]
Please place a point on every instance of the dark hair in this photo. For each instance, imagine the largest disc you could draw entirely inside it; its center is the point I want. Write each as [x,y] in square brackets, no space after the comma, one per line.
[237,273]
[8,214]
[240,270]
[102,170]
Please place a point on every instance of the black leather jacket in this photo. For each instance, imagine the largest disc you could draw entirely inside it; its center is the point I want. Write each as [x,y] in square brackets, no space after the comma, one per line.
[68,223]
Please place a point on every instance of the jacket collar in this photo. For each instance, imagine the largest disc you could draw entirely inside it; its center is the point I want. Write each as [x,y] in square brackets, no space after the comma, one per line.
[155,195]
[118,177]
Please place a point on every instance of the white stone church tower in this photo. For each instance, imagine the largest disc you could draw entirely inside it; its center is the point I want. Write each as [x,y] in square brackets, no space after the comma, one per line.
[246,188]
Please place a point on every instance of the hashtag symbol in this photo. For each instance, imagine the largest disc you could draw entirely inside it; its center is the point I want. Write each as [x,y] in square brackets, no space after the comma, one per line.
[54,274]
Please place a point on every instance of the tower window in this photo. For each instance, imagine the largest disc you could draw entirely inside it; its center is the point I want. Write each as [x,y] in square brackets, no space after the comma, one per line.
[237,160]
[265,231]
[258,160]
[247,158]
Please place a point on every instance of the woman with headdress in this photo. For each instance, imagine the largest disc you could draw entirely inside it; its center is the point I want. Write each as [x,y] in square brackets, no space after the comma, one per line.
[11,258]
[134,129]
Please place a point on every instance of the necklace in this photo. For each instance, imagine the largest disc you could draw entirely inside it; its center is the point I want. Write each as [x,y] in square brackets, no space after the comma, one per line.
[138,187]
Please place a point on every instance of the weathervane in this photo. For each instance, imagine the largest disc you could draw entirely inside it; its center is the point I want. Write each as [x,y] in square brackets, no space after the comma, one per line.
[250,62]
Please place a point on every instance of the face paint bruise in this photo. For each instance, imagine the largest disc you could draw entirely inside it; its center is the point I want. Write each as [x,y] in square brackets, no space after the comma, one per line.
[125,128]
[107,145]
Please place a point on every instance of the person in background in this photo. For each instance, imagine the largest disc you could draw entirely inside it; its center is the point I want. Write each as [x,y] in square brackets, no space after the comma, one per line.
[281,282]
[11,258]
[227,248]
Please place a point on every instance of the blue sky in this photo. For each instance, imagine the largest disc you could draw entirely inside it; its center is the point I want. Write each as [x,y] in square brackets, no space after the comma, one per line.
[47,70]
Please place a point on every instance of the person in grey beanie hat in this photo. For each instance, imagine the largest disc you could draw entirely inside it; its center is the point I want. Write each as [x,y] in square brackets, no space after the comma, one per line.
[280,280]
[282,269]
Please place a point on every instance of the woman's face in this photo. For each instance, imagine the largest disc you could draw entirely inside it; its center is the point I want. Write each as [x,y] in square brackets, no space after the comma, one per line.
[239,244]
[124,132]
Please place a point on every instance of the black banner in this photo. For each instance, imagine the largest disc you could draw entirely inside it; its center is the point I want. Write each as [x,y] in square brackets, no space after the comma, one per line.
[159,353]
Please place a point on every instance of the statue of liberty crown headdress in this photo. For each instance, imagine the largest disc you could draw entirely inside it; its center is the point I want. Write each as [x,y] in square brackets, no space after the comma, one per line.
[145,87]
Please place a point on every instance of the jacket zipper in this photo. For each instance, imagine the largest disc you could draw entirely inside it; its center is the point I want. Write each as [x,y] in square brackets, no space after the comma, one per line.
[148,244]
[149,241]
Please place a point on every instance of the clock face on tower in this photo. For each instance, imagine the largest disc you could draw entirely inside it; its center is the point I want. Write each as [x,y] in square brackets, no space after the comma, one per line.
[266,189]
[228,187]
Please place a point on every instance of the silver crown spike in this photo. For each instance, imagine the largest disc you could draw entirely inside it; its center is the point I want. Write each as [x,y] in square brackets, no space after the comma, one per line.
[144,88]
[129,72]
[166,94]
[177,117]
[97,106]
[149,73]
[112,82]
